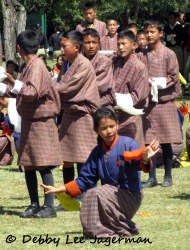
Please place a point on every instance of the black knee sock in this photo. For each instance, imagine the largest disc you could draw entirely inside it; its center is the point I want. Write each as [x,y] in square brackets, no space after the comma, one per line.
[47,179]
[68,174]
[167,158]
[32,185]
[153,170]
[79,167]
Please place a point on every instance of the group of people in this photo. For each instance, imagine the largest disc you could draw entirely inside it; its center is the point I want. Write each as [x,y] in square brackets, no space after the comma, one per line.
[100,93]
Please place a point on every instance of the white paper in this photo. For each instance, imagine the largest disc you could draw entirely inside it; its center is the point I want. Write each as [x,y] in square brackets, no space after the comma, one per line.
[15,118]
[160,82]
[3,88]
[154,92]
[107,52]
[2,74]
[125,103]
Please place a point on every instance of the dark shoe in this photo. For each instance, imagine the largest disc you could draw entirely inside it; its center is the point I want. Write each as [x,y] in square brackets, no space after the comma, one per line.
[59,208]
[167,182]
[46,212]
[30,211]
[150,183]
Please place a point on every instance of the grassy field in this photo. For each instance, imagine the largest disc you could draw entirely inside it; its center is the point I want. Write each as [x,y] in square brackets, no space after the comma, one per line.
[164,217]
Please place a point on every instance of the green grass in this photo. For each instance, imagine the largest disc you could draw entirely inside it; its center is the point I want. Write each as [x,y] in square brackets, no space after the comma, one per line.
[164,216]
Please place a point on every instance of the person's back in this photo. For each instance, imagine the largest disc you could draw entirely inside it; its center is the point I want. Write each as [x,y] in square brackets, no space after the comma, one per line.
[54,41]
[37,103]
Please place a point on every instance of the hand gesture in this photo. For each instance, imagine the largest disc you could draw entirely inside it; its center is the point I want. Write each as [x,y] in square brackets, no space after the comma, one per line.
[151,150]
[10,78]
[53,190]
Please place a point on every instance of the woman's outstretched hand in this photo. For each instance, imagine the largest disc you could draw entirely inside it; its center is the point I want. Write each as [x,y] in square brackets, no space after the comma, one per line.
[53,190]
[151,150]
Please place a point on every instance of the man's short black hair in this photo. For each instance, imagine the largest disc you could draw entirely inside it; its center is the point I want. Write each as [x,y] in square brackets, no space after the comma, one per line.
[89,5]
[28,41]
[132,25]
[75,36]
[154,23]
[90,32]
[127,34]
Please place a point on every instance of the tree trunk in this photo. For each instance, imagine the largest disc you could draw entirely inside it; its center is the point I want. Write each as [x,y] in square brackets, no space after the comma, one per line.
[136,11]
[14,19]
[1,50]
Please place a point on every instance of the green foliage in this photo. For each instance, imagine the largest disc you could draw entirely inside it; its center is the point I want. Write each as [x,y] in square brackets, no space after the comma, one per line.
[68,13]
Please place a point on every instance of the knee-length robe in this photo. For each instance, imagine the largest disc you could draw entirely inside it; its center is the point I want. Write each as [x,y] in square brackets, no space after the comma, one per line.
[107,210]
[131,77]
[104,77]
[38,103]
[79,100]
[161,120]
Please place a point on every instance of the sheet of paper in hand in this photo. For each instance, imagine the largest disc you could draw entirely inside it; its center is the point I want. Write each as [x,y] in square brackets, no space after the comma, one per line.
[107,52]
[2,74]
[125,103]
[68,203]
[13,115]
[160,82]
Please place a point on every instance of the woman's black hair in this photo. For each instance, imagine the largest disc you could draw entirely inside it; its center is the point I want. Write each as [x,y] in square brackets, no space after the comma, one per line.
[103,112]
[28,41]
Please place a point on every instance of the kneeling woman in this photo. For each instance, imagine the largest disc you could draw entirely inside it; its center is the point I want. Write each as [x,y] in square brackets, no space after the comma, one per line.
[107,210]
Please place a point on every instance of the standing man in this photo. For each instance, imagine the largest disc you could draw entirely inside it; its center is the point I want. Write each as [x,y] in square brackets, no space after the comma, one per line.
[174,37]
[54,41]
[160,120]
[130,78]
[91,21]
[101,64]
[109,41]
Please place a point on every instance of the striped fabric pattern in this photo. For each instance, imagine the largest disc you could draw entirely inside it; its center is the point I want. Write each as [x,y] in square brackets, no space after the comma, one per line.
[108,43]
[107,211]
[97,25]
[38,103]
[80,98]
[104,77]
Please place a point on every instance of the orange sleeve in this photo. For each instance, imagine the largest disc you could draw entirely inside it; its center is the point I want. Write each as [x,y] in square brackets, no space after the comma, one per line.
[133,155]
[73,189]
[184,110]
[6,130]
[146,168]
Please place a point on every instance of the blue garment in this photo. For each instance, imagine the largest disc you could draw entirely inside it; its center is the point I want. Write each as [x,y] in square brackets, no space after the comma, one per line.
[105,166]
[16,135]
[2,118]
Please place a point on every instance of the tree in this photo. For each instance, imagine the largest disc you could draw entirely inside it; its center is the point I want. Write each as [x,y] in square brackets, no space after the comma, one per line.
[14,20]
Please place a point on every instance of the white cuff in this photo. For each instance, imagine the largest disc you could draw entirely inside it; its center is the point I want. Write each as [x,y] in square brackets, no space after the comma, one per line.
[3,88]
[17,87]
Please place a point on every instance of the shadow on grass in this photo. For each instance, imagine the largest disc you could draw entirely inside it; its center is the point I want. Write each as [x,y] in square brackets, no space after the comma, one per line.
[10,169]
[9,211]
[182,196]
